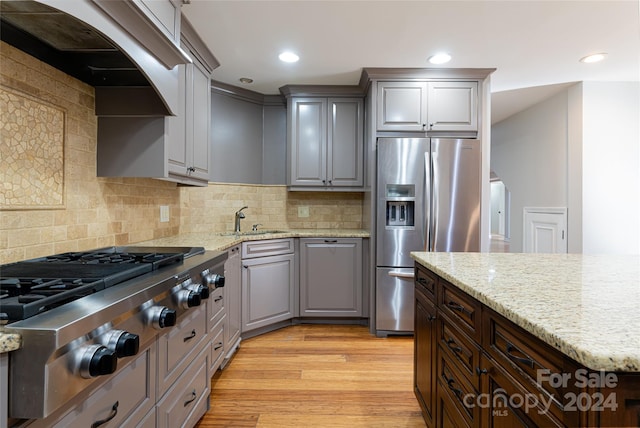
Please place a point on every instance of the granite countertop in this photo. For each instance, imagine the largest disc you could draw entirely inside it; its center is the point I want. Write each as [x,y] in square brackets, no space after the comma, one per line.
[221,241]
[214,241]
[587,306]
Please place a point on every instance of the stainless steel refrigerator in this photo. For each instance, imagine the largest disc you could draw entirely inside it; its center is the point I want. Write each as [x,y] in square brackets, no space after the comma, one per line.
[428,199]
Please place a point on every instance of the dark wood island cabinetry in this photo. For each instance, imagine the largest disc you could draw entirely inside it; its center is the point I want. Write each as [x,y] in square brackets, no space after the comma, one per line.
[476,368]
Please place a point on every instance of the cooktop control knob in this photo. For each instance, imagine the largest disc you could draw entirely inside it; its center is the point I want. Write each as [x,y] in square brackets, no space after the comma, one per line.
[187,298]
[97,360]
[212,280]
[162,317]
[123,343]
[202,290]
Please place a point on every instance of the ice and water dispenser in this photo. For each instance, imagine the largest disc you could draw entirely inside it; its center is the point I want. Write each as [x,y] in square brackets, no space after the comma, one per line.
[400,205]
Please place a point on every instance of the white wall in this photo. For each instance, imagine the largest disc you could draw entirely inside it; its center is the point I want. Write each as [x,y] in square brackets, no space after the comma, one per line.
[529,154]
[611,167]
[579,149]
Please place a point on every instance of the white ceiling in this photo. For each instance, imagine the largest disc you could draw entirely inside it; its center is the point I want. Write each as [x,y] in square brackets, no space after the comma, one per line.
[534,45]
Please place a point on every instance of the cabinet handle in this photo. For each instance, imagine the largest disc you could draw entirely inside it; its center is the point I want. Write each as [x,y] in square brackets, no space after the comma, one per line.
[528,361]
[431,318]
[454,306]
[422,281]
[114,412]
[191,398]
[456,391]
[330,241]
[191,336]
[455,349]
[217,299]
[218,346]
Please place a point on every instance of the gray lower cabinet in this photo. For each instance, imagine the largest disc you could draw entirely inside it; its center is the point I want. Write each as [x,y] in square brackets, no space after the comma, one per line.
[233,297]
[188,399]
[268,282]
[331,277]
[126,400]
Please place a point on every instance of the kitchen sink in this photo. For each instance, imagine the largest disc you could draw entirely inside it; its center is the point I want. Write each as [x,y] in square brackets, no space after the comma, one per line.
[253,232]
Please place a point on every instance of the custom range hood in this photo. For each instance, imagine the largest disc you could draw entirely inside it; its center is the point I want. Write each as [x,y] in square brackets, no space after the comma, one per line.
[87,39]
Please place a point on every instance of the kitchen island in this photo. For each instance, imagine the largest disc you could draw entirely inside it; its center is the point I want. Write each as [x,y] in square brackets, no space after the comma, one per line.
[560,327]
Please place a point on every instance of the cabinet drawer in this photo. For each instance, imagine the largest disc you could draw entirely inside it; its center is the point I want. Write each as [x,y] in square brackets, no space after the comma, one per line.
[127,397]
[426,281]
[175,347]
[187,400]
[527,359]
[217,345]
[269,247]
[460,392]
[460,350]
[462,309]
[215,305]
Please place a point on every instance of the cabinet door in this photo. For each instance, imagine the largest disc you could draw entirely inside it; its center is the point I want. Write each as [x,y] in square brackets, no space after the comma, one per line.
[452,106]
[198,131]
[175,128]
[345,142]
[308,133]
[267,291]
[424,357]
[401,106]
[232,292]
[188,131]
[331,277]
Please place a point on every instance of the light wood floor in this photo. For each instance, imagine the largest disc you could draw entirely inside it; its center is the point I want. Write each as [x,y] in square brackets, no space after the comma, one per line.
[317,376]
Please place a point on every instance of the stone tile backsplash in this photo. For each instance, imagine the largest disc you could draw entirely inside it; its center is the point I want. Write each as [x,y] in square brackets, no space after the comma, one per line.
[99,212]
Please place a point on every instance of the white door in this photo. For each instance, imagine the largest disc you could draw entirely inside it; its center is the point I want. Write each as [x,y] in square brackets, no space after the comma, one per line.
[545,230]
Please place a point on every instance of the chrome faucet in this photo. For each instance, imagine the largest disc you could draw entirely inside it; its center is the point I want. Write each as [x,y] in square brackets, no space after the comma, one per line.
[239,216]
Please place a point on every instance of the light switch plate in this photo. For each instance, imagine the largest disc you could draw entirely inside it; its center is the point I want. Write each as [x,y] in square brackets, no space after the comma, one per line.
[303,211]
[164,213]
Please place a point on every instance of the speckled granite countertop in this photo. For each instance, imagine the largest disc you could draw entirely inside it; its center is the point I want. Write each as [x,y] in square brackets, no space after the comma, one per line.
[586,306]
[217,241]
[214,241]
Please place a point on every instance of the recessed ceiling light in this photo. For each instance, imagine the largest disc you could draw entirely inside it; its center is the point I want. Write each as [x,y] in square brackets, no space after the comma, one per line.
[593,58]
[440,58]
[288,57]
[245,80]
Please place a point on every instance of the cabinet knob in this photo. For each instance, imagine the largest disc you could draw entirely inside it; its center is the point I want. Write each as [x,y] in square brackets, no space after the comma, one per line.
[481,371]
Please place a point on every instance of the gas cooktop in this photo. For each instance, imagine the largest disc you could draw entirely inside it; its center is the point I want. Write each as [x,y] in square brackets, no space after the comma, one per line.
[30,287]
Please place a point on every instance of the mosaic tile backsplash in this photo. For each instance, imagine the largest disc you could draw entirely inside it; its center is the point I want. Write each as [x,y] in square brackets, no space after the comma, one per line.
[32,152]
[98,212]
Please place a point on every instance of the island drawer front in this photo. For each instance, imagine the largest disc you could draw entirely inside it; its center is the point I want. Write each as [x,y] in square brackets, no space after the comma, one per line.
[462,351]
[267,247]
[462,309]
[426,281]
[528,360]
[459,391]
[509,403]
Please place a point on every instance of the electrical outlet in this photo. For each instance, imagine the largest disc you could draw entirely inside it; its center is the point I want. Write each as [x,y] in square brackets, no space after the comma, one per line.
[164,213]
[303,211]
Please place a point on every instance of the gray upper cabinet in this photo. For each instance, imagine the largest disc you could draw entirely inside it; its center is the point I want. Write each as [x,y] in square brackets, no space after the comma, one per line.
[189,130]
[174,148]
[325,144]
[438,106]
[452,106]
[402,106]
[331,277]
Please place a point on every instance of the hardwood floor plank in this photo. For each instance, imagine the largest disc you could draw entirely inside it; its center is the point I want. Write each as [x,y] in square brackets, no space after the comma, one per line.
[317,376]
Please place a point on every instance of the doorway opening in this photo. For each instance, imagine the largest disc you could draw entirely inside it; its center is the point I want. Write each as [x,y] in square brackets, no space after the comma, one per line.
[500,215]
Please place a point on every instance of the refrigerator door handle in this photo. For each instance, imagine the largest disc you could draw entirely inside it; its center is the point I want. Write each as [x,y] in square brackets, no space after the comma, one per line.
[426,203]
[400,274]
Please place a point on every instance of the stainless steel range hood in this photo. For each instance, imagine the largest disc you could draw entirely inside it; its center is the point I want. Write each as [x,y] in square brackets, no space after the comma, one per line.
[80,39]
